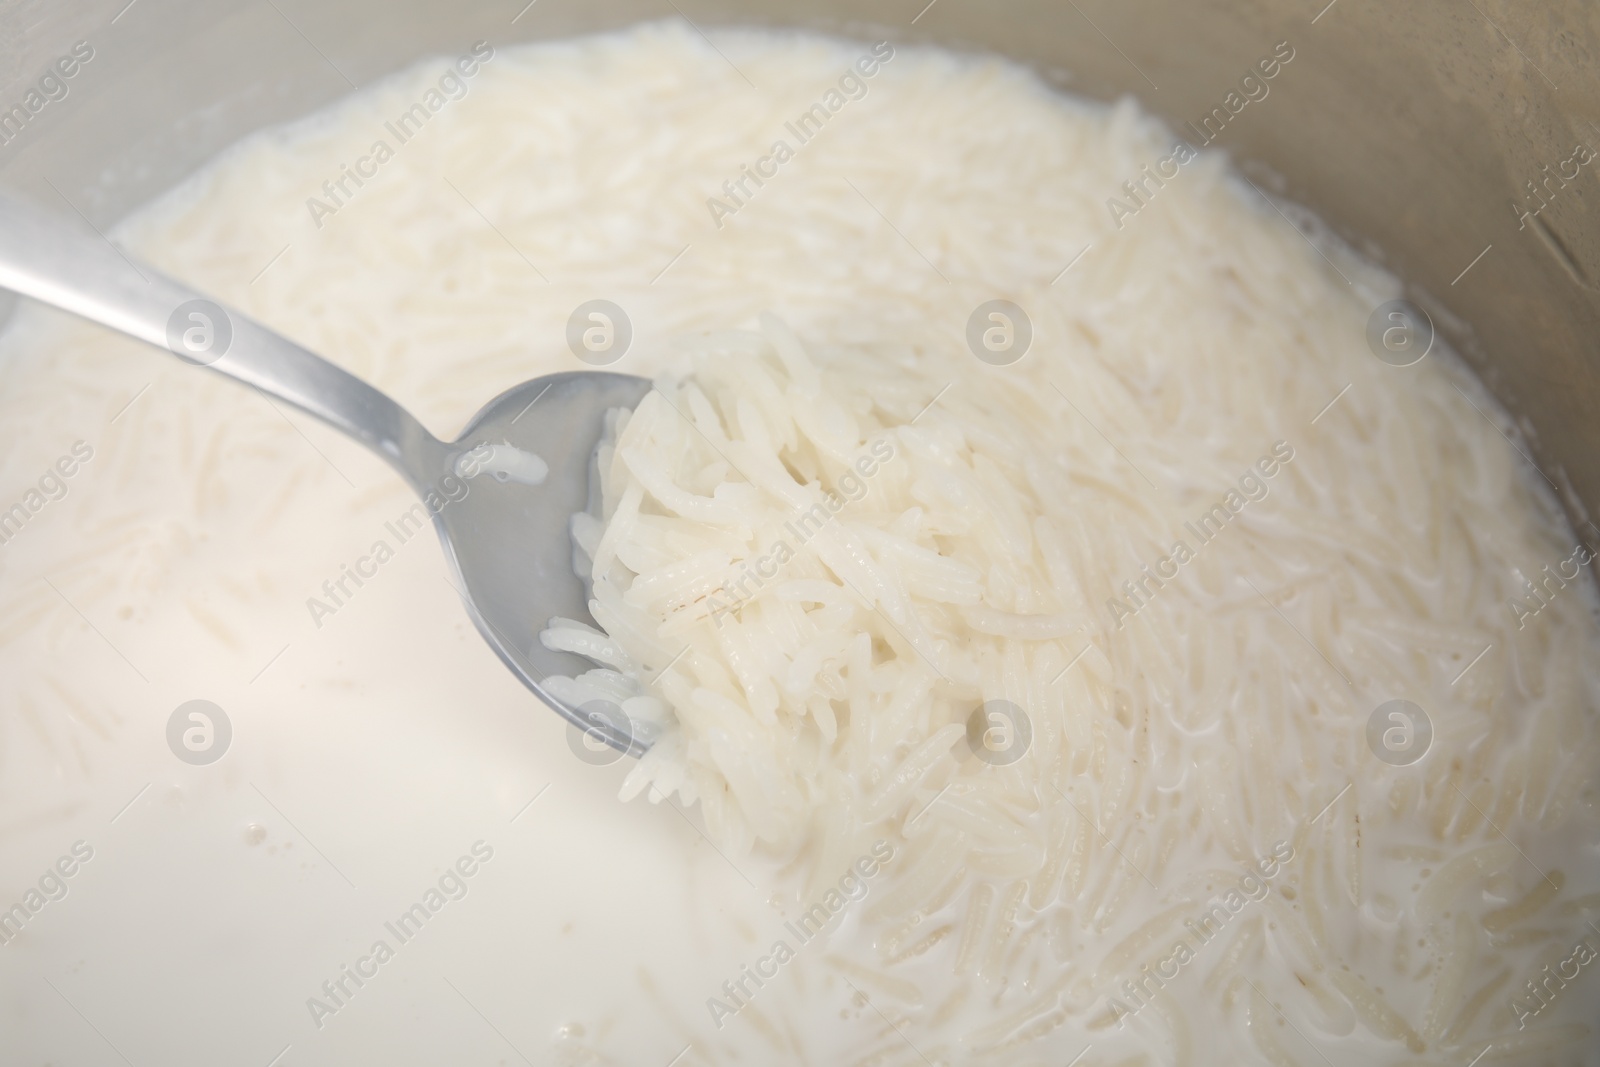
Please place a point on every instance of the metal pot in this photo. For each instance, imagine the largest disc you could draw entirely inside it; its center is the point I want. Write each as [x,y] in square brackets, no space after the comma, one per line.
[1438,137]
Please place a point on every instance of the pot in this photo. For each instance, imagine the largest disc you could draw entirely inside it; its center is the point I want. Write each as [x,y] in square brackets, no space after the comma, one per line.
[1441,139]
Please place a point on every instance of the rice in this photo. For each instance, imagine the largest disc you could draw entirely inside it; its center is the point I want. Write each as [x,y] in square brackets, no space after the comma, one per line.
[855,549]
[858,532]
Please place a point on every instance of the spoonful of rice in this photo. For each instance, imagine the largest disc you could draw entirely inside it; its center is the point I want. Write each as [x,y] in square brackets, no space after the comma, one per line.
[500,494]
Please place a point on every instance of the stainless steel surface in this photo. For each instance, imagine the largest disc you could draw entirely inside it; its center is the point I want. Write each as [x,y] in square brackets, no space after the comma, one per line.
[507,542]
[1412,129]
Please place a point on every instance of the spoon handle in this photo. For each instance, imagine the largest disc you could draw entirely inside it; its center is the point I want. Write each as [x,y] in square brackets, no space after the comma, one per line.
[58,264]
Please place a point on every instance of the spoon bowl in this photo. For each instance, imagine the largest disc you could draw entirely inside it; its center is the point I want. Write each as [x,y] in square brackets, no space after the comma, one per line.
[500,495]
[508,541]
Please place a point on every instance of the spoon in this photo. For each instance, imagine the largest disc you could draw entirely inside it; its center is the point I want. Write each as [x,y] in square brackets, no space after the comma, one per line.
[500,494]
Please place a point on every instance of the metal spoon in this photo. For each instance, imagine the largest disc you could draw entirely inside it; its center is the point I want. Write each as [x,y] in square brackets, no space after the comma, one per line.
[506,539]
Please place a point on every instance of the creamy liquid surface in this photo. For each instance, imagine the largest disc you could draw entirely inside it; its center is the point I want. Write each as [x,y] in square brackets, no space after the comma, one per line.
[379,747]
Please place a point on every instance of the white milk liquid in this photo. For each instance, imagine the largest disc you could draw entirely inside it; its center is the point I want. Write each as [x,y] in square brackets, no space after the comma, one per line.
[379,752]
